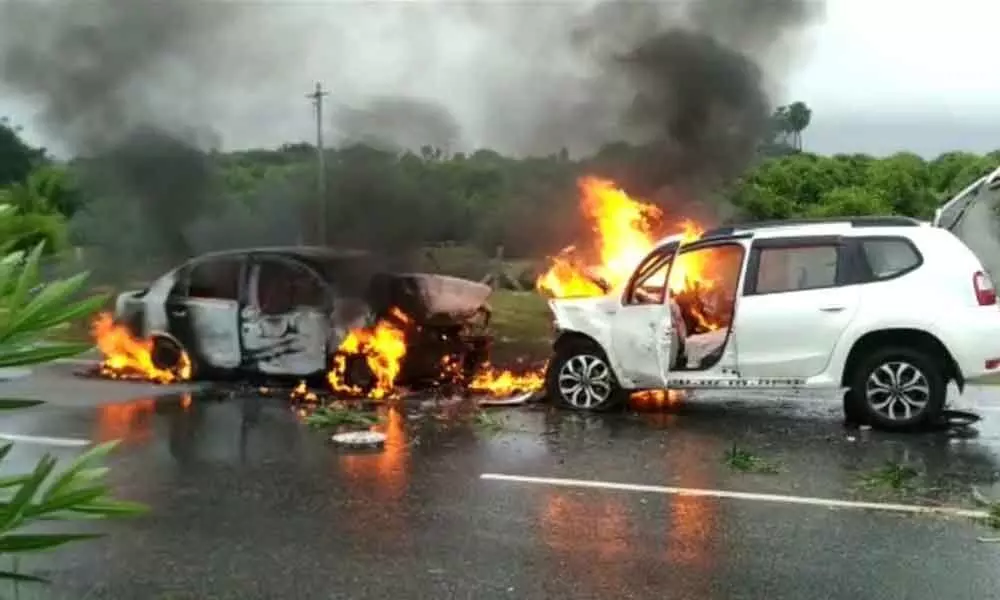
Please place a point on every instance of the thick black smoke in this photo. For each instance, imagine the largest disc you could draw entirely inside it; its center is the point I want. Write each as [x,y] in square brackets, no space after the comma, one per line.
[139,89]
[120,83]
[398,123]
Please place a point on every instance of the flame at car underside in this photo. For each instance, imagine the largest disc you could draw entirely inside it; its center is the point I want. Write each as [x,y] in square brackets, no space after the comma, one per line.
[381,348]
[128,357]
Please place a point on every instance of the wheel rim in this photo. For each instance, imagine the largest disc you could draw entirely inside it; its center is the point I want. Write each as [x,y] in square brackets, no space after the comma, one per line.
[585,381]
[898,390]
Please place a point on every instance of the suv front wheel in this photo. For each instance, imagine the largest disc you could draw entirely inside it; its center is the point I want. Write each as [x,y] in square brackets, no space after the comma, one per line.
[580,377]
[897,389]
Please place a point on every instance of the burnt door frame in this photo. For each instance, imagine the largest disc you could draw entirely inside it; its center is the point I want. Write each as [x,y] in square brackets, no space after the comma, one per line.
[251,360]
[177,304]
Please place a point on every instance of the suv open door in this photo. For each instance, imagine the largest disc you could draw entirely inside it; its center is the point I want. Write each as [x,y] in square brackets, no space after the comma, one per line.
[642,328]
[971,216]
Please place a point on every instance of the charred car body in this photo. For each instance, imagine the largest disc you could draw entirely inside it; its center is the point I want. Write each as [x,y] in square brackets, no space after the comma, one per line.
[286,311]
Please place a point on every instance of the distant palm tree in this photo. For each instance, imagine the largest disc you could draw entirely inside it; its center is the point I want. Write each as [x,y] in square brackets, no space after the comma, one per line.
[797,115]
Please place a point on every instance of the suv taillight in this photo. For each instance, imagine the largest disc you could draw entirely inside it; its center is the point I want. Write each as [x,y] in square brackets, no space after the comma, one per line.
[986,295]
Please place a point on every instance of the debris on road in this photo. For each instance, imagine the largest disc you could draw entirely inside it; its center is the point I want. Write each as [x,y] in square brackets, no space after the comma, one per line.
[516,400]
[359,439]
[339,416]
[893,475]
[743,460]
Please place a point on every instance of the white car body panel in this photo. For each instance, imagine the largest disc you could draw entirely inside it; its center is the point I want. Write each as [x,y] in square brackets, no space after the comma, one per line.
[637,343]
[217,323]
[792,334]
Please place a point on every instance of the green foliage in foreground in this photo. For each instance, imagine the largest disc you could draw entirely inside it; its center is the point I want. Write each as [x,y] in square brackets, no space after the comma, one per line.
[28,312]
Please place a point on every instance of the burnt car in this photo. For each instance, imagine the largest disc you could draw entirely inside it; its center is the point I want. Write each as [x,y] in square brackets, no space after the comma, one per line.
[286,311]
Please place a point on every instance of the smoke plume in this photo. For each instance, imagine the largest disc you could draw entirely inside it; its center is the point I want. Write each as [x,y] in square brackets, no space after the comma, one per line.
[146,90]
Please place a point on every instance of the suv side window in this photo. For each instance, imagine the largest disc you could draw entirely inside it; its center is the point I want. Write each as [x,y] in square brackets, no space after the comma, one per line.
[649,282]
[889,257]
[791,269]
[215,278]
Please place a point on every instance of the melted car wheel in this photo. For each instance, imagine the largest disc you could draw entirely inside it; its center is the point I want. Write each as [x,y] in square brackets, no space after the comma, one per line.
[580,377]
[898,389]
[168,355]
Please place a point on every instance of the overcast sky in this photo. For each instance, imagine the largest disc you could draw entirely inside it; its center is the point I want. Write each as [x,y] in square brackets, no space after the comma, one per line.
[880,75]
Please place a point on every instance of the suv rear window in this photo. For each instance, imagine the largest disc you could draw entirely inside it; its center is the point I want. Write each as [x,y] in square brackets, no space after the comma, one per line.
[889,257]
[796,268]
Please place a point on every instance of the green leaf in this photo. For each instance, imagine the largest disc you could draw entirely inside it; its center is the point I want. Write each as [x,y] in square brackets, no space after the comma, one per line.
[28,278]
[65,479]
[42,354]
[8,266]
[24,497]
[113,508]
[17,403]
[40,541]
[68,500]
[51,298]
[13,480]
[89,475]
[20,577]
[81,309]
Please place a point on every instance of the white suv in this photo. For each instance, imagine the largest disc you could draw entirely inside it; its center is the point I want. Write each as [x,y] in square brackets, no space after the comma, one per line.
[890,308]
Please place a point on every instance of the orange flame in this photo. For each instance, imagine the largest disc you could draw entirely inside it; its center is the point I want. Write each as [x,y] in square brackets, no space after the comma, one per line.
[383,348]
[655,399]
[625,229]
[126,357]
[501,382]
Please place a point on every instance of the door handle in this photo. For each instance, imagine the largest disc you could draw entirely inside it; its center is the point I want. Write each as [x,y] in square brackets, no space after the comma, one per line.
[178,312]
[831,309]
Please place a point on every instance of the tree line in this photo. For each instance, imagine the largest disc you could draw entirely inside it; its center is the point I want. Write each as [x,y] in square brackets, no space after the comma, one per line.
[399,199]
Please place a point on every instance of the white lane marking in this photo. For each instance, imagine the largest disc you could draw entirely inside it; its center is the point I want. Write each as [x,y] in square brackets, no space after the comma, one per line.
[679,491]
[44,440]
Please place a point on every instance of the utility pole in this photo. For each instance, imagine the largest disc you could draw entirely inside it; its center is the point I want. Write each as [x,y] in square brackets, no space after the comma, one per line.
[317,98]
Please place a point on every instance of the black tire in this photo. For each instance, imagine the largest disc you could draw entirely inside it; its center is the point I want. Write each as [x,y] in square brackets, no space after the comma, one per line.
[600,393]
[894,368]
[854,415]
[167,353]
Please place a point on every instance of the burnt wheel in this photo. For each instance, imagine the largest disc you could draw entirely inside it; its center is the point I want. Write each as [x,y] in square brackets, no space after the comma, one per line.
[168,355]
[358,374]
[897,389]
[580,378]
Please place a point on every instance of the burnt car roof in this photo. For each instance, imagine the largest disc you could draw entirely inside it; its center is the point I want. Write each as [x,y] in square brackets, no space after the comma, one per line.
[351,269]
[309,252]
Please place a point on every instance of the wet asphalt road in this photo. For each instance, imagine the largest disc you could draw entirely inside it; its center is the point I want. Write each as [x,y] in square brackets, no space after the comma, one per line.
[247,503]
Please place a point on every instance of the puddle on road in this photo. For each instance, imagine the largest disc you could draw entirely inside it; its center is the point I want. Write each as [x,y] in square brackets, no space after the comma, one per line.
[683,444]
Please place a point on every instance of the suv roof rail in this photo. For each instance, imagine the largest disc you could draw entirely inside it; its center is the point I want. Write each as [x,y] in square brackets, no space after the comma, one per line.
[892,221]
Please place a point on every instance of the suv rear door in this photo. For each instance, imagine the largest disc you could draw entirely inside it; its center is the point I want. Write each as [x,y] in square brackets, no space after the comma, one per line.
[970,215]
[797,301]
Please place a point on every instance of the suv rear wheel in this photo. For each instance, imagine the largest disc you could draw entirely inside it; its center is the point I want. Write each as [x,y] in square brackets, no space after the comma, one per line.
[896,389]
[580,377]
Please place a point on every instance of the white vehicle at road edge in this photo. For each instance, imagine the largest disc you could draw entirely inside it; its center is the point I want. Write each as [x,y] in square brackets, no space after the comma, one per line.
[898,309]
